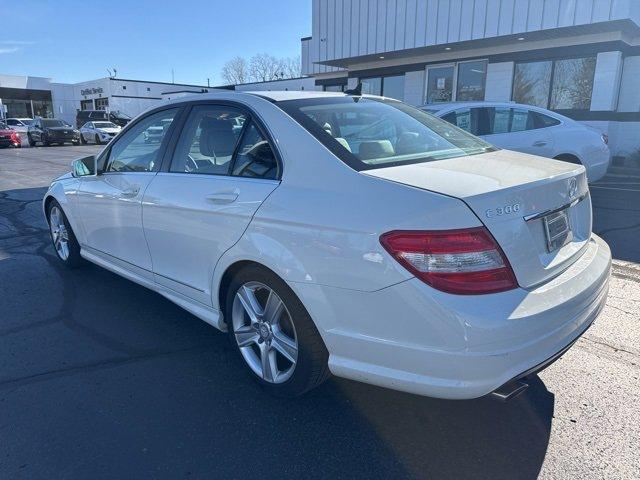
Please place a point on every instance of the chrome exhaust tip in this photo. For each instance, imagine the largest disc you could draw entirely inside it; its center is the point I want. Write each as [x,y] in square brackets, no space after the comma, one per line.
[509,390]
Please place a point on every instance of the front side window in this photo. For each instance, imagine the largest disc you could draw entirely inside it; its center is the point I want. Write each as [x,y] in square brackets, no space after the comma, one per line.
[463,118]
[471,80]
[370,133]
[208,140]
[13,122]
[573,84]
[138,149]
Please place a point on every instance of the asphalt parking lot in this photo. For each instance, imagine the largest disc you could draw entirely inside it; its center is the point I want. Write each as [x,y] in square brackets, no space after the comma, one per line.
[101,378]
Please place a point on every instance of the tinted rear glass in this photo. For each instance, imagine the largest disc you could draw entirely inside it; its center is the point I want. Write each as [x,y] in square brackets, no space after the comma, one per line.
[367,132]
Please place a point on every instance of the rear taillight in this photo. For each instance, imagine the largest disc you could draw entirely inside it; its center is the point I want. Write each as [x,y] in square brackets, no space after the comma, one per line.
[605,138]
[15,138]
[465,262]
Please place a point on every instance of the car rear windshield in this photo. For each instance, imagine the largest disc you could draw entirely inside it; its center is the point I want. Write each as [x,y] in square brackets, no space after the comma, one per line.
[104,125]
[54,123]
[368,132]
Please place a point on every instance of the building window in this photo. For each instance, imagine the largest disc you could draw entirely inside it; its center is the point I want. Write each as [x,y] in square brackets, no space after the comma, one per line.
[531,83]
[86,104]
[391,86]
[333,88]
[559,85]
[42,108]
[440,84]
[124,87]
[372,86]
[471,80]
[573,84]
[102,103]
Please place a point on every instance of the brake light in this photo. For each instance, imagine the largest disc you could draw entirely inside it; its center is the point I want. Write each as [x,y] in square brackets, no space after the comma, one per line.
[15,138]
[465,261]
[605,138]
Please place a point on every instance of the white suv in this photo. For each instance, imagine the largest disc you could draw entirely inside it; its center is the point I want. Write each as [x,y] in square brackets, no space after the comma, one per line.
[529,129]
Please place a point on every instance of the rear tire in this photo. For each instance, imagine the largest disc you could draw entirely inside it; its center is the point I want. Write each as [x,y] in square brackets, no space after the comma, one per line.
[64,240]
[45,141]
[32,142]
[286,335]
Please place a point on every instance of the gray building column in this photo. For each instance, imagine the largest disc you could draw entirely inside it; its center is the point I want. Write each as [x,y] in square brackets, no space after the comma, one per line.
[629,100]
[414,87]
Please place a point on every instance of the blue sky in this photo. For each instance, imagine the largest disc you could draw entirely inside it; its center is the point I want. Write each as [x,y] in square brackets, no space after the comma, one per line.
[72,41]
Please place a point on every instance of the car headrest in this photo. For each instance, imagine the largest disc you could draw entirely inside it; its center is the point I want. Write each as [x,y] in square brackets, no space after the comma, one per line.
[216,137]
[375,149]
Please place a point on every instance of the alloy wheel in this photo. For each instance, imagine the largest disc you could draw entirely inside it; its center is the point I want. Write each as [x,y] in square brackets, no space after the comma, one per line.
[264,332]
[59,233]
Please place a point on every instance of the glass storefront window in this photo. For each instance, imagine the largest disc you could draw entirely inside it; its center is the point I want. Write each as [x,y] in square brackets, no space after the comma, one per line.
[42,108]
[18,108]
[393,87]
[440,84]
[102,103]
[471,80]
[570,88]
[573,84]
[372,86]
[531,83]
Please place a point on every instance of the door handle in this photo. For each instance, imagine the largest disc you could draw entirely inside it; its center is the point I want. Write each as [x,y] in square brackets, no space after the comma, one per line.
[130,192]
[223,197]
[539,143]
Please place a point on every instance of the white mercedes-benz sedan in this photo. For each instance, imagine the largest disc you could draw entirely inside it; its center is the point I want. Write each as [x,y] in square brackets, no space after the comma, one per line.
[529,129]
[345,234]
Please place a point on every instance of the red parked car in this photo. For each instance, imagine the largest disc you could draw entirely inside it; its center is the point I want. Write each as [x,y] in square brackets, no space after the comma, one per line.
[9,137]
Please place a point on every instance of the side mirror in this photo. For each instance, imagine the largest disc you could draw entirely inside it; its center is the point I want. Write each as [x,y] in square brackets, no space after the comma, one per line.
[84,167]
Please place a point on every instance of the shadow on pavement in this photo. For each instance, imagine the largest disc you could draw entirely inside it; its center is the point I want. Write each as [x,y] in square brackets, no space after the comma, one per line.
[102,378]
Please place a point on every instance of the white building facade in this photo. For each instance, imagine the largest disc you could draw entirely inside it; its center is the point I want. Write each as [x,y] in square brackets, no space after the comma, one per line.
[29,97]
[580,58]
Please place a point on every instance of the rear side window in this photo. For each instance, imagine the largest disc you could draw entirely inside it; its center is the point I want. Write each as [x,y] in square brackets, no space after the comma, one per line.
[255,157]
[541,120]
[208,140]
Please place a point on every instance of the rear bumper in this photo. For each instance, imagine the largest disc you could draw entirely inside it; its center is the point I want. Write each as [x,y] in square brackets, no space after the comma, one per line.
[412,338]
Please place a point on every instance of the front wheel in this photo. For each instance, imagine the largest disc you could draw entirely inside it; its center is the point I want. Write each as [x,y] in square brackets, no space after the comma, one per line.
[274,334]
[45,141]
[98,141]
[64,240]
[82,139]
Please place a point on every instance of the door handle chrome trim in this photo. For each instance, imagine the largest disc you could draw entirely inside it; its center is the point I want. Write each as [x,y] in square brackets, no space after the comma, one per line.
[223,197]
[539,143]
[130,192]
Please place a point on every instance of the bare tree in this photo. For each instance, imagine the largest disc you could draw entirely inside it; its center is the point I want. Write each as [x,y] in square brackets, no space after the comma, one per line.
[291,67]
[264,67]
[235,71]
[261,68]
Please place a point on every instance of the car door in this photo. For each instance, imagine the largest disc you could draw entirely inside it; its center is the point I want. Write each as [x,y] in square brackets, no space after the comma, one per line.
[202,202]
[515,129]
[110,202]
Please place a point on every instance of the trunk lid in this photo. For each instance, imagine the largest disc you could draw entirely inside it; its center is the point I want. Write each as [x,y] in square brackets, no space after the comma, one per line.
[515,195]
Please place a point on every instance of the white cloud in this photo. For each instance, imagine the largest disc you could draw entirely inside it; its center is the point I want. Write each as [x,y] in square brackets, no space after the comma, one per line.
[8,50]
[16,42]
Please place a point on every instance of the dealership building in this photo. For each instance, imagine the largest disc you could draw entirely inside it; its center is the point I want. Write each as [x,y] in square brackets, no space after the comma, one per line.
[580,58]
[29,97]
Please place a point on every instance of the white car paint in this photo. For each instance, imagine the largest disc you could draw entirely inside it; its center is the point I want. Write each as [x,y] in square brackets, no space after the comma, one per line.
[103,131]
[318,228]
[568,139]
[20,125]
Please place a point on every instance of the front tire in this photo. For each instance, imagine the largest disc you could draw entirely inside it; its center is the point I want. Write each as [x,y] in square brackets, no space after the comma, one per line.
[64,240]
[274,334]
[82,139]
[45,141]
[98,141]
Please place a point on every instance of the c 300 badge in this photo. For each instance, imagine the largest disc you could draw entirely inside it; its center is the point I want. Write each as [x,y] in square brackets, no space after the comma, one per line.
[503,210]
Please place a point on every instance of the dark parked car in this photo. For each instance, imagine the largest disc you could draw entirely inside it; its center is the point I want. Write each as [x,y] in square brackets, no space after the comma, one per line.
[8,136]
[84,116]
[52,130]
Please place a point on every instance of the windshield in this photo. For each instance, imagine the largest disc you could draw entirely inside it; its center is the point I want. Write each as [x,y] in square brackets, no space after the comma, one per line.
[121,116]
[54,123]
[104,125]
[368,133]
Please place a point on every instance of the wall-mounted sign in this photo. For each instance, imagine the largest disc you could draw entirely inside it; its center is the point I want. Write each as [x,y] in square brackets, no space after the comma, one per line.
[441,83]
[91,91]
